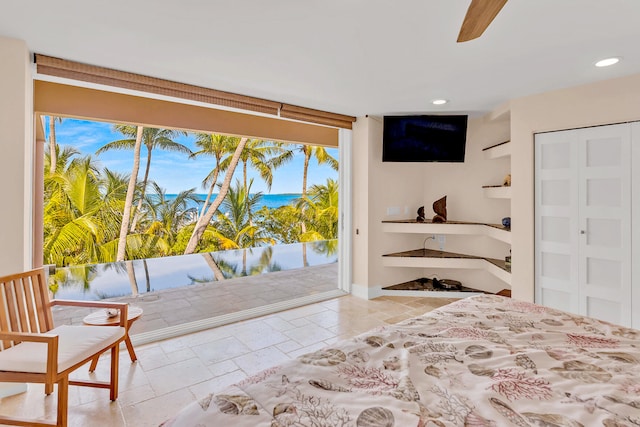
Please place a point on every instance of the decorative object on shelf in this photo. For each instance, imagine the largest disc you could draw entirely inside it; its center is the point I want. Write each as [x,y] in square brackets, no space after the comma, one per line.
[506,222]
[446,284]
[507,181]
[432,285]
[507,262]
[420,217]
[440,208]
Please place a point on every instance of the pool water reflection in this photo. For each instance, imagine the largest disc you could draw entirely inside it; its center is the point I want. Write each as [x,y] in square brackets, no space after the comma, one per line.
[119,279]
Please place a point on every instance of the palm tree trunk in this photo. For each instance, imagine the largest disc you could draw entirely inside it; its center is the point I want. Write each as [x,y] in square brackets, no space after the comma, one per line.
[132,278]
[146,275]
[305,261]
[122,242]
[244,173]
[52,144]
[203,222]
[213,185]
[136,216]
[305,172]
[244,262]
[213,265]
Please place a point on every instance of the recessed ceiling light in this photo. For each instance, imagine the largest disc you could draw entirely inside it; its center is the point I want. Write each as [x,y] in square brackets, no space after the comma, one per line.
[439,101]
[607,61]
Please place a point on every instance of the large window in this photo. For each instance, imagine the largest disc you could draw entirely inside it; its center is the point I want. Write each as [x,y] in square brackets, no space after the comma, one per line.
[272,207]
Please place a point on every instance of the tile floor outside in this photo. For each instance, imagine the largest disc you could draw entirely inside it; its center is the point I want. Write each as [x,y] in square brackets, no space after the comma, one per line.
[172,373]
[171,307]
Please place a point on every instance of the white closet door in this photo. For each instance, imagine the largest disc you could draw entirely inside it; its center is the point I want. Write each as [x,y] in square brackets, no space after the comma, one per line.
[583,221]
[557,220]
[604,170]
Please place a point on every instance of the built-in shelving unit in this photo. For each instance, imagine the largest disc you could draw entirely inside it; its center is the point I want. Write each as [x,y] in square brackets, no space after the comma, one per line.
[410,226]
[428,258]
[497,191]
[497,151]
[424,287]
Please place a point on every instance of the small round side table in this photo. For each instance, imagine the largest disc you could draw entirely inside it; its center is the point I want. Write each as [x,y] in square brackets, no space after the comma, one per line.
[100,318]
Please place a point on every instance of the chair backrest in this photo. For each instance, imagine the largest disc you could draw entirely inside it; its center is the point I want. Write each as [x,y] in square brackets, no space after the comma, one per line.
[24,304]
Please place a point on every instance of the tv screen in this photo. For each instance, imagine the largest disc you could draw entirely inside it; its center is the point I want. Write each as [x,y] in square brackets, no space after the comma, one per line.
[424,138]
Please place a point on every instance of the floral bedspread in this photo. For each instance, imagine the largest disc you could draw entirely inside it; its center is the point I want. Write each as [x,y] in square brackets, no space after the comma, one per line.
[481,361]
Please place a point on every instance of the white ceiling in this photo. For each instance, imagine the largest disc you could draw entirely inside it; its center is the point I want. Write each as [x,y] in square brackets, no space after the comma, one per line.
[353,57]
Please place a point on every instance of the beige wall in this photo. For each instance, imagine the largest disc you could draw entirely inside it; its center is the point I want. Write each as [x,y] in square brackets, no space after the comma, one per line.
[16,126]
[606,102]
[376,185]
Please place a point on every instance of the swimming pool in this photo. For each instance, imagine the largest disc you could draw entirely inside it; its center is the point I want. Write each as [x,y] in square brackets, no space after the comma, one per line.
[120,279]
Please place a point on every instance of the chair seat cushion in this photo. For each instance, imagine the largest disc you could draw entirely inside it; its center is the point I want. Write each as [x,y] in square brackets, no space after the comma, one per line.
[75,343]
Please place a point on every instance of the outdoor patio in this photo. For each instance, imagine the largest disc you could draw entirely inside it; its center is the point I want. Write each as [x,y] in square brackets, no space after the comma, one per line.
[168,311]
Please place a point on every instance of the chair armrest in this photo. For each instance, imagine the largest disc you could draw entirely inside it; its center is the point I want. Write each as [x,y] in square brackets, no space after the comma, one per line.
[28,336]
[51,340]
[122,306]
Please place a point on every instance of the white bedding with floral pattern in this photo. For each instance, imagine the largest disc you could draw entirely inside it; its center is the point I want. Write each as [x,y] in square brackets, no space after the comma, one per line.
[481,361]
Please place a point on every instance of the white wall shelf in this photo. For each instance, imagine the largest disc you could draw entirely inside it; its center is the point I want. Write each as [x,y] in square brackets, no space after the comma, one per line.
[428,294]
[428,258]
[497,192]
[494,231]
[497,151]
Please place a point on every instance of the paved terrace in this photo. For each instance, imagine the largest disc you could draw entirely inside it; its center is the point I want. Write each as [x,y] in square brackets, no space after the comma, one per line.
[173,307]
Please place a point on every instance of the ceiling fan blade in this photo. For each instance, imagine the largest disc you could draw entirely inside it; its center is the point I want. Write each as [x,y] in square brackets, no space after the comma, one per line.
[479,16]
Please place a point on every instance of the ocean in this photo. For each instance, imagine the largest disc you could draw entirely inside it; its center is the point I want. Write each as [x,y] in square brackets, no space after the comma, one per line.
[269,200]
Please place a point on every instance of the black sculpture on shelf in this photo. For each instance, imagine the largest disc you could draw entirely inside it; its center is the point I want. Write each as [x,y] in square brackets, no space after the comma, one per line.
[420,217]
[440,208]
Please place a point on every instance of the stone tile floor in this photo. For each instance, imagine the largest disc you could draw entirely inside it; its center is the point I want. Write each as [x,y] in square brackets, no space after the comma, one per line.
[176,306]
[172,373]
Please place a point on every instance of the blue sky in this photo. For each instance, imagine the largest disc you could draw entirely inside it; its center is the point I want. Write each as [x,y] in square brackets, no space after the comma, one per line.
[175,171]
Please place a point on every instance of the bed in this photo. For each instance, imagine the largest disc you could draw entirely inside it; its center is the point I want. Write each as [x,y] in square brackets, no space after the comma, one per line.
[485,360]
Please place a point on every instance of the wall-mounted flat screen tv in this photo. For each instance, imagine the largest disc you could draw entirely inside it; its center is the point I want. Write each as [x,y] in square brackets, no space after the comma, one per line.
[424,138]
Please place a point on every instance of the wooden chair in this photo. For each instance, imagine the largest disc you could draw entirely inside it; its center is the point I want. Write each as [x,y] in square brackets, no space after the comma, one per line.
[32,350]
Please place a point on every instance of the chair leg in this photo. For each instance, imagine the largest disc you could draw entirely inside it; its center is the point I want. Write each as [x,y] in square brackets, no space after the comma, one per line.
[63,401]
[115,356]
[132,352]
[48,388]
[94,363]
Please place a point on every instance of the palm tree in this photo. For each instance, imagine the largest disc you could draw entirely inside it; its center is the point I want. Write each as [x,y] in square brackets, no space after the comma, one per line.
[320,212]
[278,223]
[62,158]
[220,147]
[265,264]
[73,276]
[126,213]
[167,216]
[321,155]
[235,229]
[265,157]
[203,221]
[83,213]
[76,216]
[53,146]
[151,138]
